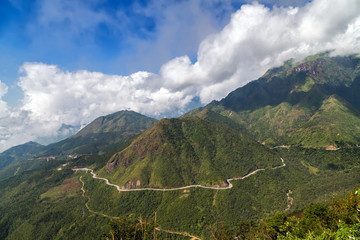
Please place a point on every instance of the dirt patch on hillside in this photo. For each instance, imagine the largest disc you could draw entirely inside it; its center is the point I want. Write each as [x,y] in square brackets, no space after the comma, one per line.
[332,148]
[69,184]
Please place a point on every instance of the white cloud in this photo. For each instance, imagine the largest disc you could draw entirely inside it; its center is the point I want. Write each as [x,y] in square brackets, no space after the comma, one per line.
[3,105]
[255,39]
[179,28]
[77,97]
[53,97]
[258,38]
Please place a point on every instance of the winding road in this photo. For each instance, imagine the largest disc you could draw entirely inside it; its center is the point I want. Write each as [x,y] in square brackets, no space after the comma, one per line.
[168,189]
[185,234]
[228,181]
[87,206]
[290,200]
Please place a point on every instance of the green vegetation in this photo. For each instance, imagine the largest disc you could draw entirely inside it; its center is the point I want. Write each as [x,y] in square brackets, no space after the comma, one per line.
[338,220]
[48,203]
[18,153]
[314,103]
[104,134]
[306,106]
[131,228]
[180,152]
[19,167]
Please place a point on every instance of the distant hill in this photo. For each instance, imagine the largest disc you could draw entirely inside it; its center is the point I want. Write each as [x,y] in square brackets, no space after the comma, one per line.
[314,103]
[180,152]
[309,105]
[18,153]
[214,117]
[106,133]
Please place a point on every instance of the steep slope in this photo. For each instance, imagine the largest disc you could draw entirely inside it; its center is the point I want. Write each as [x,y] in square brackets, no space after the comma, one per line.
[314,103]
[104,134]
[295,104]
[180,152]
[214,117]
[18,153]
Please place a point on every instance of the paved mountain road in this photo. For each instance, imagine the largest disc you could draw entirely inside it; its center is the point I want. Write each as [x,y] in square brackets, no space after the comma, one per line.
[167,189]
[177,188]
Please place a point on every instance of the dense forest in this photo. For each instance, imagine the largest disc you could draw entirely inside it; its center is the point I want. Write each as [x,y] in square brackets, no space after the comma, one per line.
[339,219]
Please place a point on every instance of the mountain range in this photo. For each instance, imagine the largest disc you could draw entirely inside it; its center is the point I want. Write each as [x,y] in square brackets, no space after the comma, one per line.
[314,103]
[104,134]
[271,138]
[186,151]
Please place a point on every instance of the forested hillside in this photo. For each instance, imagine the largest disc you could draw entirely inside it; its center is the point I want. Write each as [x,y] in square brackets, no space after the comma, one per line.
[313,103]
[270,161]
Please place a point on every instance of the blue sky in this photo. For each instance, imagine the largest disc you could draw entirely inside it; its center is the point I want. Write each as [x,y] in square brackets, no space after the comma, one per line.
[114,37]
[103,36]
[70,61]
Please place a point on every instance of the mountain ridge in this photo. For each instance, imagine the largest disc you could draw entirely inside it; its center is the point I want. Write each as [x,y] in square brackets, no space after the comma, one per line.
[282,105]
[19,152]
[104,134]
[186,151]
[206,148]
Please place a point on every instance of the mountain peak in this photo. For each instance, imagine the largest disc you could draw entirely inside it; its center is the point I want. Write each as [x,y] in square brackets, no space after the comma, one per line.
[116,122]
[105,133]
[185,151]
[298,102]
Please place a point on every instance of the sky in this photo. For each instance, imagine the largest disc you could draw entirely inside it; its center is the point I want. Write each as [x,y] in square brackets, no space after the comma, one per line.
[65,62]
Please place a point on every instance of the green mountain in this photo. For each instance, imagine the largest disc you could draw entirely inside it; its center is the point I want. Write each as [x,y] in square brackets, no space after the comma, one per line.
[62,204]
[314,103]
[104,134]
[214,117]
[18,153]
[180,152]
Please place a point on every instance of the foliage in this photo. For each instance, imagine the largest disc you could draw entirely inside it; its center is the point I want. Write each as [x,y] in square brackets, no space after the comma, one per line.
[180,152]
[18,167]
[18,153]
[104,134]
[314,103]
[129,228]
[45,204]
[338,220]
[33,202]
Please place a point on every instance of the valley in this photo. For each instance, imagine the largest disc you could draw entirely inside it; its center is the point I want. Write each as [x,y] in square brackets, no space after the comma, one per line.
[267,152]
[264,188]
[228,181]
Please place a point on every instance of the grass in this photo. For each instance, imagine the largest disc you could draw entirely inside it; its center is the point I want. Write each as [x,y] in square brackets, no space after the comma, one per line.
[312,170]
[313,103]
[180,152]
[47,202]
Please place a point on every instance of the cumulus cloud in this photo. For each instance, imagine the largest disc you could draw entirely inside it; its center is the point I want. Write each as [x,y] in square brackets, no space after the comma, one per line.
[255,39]
[258,38]
[76,97]
[3,105]
[53,97]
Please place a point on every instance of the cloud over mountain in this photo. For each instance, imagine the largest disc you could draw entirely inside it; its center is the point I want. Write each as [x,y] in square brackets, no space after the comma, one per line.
[256,38]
